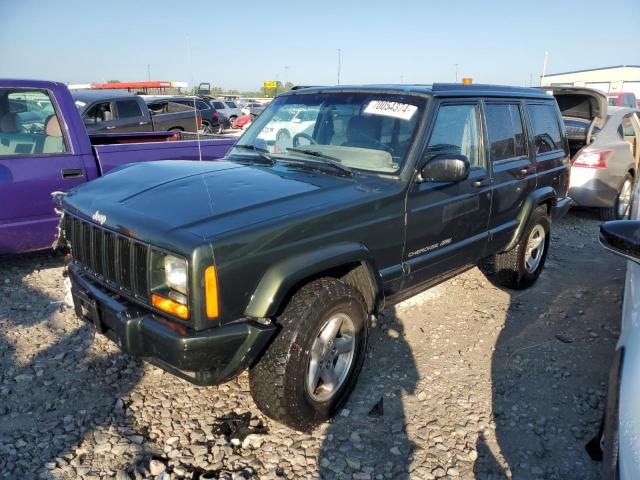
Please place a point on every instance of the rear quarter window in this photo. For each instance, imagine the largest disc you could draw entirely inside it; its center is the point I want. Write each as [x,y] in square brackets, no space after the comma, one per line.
[505,131]
[546,129]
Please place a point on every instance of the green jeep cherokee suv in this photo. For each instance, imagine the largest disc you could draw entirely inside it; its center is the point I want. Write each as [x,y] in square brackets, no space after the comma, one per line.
[335,203]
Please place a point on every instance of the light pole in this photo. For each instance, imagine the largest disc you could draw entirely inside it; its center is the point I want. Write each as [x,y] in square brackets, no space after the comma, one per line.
[148,72]
[456,72]
[286,74]
[339,66]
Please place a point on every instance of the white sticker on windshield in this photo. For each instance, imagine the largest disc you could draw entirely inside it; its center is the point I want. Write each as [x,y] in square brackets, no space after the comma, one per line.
[391,109]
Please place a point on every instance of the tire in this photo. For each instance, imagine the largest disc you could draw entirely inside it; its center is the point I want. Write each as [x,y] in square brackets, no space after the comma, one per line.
[232,121]
[176,129]
[281,382]
[217,129]
[515,269]
[206,128]
[622,206]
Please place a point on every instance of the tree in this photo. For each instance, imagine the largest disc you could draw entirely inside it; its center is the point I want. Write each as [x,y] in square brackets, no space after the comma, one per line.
[113,81]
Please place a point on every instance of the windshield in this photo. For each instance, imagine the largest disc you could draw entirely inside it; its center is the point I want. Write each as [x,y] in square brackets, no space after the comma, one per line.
[361,130]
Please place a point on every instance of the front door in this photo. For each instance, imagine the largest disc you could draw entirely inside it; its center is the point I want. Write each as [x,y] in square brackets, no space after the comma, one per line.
[446,221]
[35,160]
[130,117]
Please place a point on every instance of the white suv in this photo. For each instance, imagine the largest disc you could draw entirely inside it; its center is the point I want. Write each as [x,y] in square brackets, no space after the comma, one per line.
[228,108]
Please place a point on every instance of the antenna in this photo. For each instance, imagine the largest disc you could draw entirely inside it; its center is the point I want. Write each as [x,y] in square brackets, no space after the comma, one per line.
[338,66]
[544,66]
[195,110]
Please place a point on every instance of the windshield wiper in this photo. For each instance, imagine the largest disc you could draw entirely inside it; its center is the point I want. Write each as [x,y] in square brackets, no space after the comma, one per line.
[333,161]
[262,153]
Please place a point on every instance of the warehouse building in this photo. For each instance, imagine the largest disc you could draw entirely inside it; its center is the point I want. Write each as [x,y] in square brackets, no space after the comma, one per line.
[621,78]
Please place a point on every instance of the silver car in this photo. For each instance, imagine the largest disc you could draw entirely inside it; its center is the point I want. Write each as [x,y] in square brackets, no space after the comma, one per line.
[620,437]
[603,141]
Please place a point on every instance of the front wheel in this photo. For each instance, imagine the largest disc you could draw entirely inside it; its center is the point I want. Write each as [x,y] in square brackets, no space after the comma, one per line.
[521,266]
[622,206]
[311,367]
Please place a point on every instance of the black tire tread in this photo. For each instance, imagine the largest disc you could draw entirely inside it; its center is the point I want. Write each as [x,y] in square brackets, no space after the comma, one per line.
[267,378]
[504,267]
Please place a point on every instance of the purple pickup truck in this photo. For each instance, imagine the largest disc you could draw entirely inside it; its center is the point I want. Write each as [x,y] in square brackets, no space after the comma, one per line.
[44,147]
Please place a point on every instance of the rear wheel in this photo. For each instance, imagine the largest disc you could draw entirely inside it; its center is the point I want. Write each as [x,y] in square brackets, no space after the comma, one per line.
[521,266]
[217,128]
[311,367]
[622,206]
[232,121]
[206,128]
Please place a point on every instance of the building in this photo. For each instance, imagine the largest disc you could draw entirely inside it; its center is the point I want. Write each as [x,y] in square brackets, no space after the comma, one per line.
[621,78]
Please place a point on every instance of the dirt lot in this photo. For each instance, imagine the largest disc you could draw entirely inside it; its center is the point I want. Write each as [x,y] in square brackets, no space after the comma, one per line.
[467,380]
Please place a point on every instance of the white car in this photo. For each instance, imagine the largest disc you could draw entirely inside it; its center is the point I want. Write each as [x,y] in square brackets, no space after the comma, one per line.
[286,125]
[620,439]
[226,107]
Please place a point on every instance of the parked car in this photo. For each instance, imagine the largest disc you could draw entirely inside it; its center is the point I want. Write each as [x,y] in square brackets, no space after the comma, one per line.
[274,261]
[622,99]
[210,118]
[286,124]
[242,121]
[620,437]
[117,111]
[228,108]
[252,108]
[604,146]
[56,154]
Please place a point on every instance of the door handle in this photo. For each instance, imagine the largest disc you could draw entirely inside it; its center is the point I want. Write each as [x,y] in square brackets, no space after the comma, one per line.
[111,127]
[481,182]
[526,170]
[143,123]
[68,173]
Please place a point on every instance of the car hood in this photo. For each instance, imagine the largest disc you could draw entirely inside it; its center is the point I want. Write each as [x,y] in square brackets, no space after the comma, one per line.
[585,103]
[147,200]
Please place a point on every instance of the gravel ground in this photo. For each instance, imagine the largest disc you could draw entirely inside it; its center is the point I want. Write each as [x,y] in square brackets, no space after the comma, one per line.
[463,381]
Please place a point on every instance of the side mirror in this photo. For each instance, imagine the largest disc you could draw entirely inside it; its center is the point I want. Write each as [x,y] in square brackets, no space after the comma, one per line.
[622,237]
[446,168]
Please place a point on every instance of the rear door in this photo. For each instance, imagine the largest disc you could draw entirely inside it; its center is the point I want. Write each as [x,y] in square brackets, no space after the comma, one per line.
[512,165]
[131,117]
[34,162]
[447,222]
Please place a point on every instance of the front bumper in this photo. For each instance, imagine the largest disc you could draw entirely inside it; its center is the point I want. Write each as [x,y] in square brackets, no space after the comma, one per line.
[204,358]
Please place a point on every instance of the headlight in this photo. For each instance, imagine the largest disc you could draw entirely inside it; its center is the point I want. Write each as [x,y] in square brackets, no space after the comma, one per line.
[176,273]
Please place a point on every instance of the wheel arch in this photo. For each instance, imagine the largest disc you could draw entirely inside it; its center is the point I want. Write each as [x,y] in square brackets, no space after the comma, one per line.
[349,262]
[543,196]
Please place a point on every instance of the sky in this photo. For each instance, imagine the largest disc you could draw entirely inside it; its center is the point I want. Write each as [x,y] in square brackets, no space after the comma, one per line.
[238,45]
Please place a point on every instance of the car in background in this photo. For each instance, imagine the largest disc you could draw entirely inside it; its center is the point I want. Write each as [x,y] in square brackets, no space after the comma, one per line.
[286,124]
[227,107]
[242,122]
[114,111]
[252,108]
[604,145]
[210,117]
[622,99]
[620,435]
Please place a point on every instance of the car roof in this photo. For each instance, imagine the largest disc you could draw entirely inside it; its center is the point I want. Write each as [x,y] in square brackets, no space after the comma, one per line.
[88,96]
[436,90]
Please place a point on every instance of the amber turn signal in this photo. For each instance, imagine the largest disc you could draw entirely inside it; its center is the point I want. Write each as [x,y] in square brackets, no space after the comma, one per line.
[211,289]
[169,306]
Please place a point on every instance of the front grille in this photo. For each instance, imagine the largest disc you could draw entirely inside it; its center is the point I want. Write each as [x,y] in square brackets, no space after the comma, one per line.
[119,261]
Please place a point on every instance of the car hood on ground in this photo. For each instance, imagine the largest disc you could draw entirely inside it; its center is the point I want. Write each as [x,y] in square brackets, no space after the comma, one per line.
[577,102]
[206,199]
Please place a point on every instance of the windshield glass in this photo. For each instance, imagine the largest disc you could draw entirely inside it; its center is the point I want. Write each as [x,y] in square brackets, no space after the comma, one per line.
[361,130]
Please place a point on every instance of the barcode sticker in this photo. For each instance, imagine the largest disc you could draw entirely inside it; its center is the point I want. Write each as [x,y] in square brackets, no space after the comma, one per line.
[403,111]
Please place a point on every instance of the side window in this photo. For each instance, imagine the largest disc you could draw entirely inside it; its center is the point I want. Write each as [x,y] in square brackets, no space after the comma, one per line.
[100,112]
[30,126]
[200,105]
[218,105]
[128,109]
[456,131]
[627,126]
[546,131]
[231,105]
[505,132]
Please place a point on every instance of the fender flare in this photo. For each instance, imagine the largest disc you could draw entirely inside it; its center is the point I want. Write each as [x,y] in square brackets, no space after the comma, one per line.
[282,276]
[534,199]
